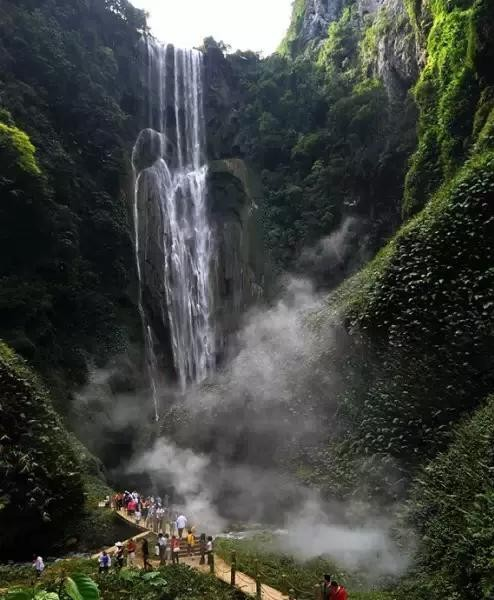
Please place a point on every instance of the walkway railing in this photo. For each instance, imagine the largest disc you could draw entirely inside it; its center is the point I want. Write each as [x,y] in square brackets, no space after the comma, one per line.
[229,573]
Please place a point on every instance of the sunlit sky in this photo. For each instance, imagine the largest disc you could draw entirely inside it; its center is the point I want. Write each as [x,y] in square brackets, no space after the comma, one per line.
[257,25]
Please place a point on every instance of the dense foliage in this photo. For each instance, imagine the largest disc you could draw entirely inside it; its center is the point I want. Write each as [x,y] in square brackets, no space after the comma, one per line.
[322,130]
[452,507]
[69,80]
[167,583]
[40,477]
[454,93]
[261,554]
[424,312]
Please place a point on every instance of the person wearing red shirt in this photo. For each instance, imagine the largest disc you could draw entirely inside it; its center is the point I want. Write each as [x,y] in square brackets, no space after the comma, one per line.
[338,592]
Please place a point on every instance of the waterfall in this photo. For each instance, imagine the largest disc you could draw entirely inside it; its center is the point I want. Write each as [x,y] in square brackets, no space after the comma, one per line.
[173,239]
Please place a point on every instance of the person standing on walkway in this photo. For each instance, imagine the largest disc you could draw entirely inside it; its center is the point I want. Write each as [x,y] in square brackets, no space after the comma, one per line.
[191,540]
[159,518]
[104,561]
[145,555]
[209,549]
[175,544]
[38,564]
[162,548]
[326,587]
[168,551]
[202,548]
[150,517]
[181,524]
[119,555]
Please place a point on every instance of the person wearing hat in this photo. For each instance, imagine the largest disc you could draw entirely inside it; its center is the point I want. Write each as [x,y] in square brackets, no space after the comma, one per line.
[119,555]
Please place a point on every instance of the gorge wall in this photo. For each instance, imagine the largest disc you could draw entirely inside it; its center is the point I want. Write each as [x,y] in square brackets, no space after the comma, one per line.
[373,119]
[73,98]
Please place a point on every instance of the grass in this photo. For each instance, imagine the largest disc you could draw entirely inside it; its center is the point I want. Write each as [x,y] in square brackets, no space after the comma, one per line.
[283,572]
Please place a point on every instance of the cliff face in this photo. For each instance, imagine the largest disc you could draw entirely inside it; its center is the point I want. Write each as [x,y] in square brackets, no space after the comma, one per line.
[240,271]
[318,14]
[237,278]
[67,265]
[394,58]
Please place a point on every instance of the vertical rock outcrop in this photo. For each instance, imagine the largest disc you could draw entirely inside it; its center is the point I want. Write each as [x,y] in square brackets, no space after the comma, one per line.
[240,269]
[183,250]
[397,52]
[318,14]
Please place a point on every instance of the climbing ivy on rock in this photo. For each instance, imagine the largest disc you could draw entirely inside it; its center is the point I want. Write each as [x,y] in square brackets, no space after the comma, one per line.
[451,506]
[453,94]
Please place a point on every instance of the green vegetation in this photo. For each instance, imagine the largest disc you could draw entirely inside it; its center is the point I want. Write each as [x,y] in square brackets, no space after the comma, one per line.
[40,479]
[423,306]
[17,151]
[419,316]
[76,587]
[447,95]
[283,572]
[452,507]
[68,117]
[167,583]
[319,127]
[50,485]
[290,44]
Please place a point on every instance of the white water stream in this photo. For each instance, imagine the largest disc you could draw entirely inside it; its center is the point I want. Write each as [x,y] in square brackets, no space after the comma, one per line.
[173,190]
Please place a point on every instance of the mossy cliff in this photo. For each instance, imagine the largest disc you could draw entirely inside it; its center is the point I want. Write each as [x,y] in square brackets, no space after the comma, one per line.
[424,304]
[451,505]
[40,475]
[454,93]
[420,320]
[69,80]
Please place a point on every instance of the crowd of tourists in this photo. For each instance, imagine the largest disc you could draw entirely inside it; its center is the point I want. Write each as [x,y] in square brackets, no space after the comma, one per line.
[151,512]
[174,533]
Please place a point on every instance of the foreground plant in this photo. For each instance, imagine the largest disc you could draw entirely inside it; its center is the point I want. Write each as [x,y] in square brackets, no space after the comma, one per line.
[75,587]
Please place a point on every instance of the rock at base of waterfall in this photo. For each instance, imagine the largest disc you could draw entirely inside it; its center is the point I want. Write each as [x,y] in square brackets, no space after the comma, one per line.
[240,270]
[148,149]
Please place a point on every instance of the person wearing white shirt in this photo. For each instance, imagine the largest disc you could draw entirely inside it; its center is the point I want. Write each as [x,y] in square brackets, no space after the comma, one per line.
[38,564]
[181,524]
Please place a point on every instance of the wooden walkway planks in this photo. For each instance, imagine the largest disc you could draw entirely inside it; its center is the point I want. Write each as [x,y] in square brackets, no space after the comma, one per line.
[222,570]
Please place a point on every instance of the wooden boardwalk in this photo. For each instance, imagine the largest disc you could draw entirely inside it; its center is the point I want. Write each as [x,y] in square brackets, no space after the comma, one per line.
[222,570]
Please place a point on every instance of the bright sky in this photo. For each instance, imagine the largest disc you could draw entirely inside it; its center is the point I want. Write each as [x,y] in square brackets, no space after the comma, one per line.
[257,25]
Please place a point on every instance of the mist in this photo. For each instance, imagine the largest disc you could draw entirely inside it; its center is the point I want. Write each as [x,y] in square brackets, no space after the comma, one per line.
[227,450]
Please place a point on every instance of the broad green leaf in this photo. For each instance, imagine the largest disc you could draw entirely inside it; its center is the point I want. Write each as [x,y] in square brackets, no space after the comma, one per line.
[81,587]
[47,596]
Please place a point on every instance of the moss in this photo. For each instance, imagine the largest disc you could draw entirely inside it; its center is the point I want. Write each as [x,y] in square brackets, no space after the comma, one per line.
[451,96]
[17,145]
[446,94]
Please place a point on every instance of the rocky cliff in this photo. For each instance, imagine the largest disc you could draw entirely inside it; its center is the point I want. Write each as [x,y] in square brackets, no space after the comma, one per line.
[394,56]
[233,196]
[241,265]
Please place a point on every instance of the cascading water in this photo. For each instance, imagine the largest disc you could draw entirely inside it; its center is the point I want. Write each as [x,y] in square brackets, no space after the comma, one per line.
[173,239]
